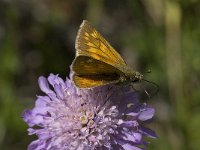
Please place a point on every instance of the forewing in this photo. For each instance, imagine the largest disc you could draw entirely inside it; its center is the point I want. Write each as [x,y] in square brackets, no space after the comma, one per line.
[90,43]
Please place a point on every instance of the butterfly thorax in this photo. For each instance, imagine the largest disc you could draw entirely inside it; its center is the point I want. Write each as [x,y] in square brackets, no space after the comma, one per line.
[136,77]
[130,75]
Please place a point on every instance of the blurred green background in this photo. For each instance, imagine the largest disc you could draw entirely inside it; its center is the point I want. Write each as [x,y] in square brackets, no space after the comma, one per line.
[37,38]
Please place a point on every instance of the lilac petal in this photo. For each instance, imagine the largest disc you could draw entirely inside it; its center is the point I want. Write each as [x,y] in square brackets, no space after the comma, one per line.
[44,86]
[147,114]
[27,117]
[130,147]
[43,134]
[133,137]
[42,101]
[36,120]
[133,114]
[54,79]
[42,111]
[31,131]
[147,132]
[132,123]
[33,145]
[31,119]
[59,91]
[37,145]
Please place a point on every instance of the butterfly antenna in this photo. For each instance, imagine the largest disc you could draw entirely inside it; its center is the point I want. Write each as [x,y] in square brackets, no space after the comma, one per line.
[155,85]
[107,99]
[110,95]
[149,96]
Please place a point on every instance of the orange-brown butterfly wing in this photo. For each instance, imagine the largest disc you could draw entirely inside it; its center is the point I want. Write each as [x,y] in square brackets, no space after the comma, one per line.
[91,81]
[89,72]
[90,43]
[84,65]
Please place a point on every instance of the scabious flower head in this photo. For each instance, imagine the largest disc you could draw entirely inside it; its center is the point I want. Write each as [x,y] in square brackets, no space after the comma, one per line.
[103,118]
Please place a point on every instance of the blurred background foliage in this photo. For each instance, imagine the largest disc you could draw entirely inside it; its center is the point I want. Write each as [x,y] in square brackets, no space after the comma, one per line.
[37,38]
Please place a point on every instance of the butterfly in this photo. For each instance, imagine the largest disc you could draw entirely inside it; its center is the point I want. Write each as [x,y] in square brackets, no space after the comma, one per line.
[97,63]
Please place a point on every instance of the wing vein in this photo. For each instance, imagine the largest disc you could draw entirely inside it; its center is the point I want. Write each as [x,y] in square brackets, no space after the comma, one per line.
[93,39]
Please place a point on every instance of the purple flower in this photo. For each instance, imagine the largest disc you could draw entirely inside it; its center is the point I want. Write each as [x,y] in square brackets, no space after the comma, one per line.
[69,118]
